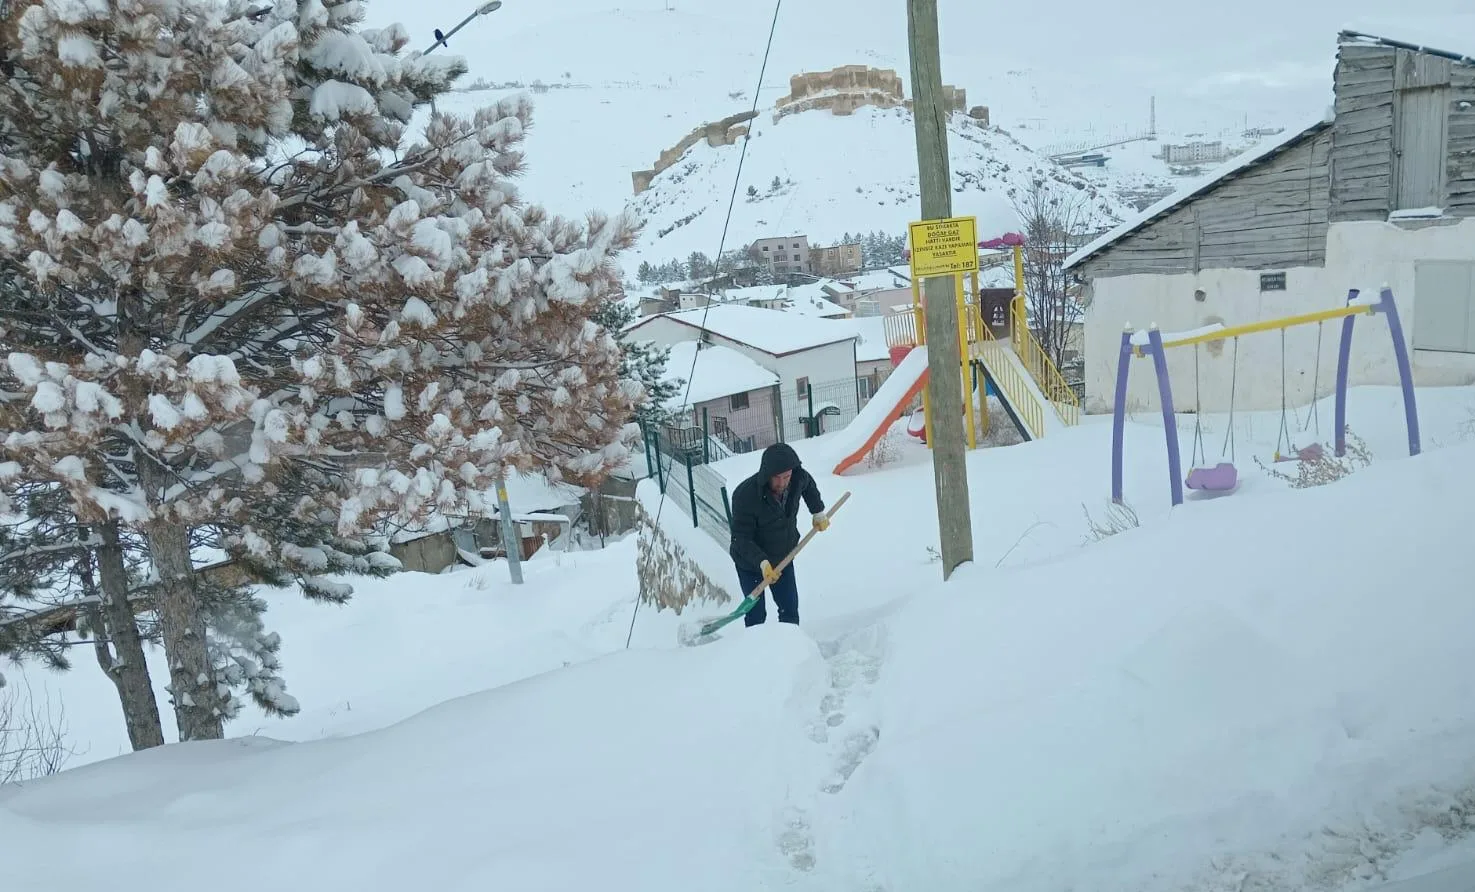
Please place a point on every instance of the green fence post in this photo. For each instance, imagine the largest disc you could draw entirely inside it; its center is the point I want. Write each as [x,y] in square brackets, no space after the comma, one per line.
[660,466]
[706,439]
[645,441]
[727,508]
[691,490]
[813,422]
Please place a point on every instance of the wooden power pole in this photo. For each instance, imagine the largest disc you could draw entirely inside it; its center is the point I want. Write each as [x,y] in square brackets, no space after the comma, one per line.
[944,355]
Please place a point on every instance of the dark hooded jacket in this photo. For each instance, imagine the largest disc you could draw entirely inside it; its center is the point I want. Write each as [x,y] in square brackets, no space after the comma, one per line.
[765,525]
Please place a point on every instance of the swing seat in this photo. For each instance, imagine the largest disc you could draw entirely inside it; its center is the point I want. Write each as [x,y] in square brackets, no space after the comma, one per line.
[917,425]
[1313,453]
[1220,478]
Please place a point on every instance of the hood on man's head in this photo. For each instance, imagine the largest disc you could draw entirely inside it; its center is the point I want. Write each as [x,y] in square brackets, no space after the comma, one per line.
[778,458]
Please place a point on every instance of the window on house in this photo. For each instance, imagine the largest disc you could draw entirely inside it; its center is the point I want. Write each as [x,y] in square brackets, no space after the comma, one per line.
[863,386]
[737,402]
[765,247]
[802,386]
[1419,151]
[1444,306]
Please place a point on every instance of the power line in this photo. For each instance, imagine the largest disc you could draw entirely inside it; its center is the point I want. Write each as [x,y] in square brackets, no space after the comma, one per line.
[721,246]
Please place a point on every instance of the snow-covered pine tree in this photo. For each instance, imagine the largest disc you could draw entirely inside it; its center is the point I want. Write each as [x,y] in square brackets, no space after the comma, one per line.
[237,279]
[57,574]
[700,266]
[640,361]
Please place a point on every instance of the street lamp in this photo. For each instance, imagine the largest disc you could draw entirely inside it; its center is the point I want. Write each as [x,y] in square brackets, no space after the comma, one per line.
[441,39]
[485,9]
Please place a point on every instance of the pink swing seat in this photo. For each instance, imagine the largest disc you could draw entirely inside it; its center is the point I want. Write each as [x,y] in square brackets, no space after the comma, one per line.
[1220,478]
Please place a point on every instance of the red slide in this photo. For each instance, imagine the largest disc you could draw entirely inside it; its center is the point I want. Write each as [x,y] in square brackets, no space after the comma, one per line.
[883,409]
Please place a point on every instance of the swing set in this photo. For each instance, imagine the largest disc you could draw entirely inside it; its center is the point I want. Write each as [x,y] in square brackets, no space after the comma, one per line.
[1223,477]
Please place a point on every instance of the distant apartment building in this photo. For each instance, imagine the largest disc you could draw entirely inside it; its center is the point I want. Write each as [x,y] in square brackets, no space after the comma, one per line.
[837,260]
[783,256]
[1195,153]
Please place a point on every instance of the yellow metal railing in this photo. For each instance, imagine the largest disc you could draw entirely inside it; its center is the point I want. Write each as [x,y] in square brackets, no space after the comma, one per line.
[993,354]
[1051,383]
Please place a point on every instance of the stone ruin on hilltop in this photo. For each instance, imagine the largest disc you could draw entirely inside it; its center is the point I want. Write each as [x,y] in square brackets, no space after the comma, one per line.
[840,90]
[843,90]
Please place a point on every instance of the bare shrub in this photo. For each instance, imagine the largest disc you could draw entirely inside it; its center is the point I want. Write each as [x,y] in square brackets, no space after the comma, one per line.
[1466,430]
[886,450]
[33,736]
[1119,518]
[1327,469]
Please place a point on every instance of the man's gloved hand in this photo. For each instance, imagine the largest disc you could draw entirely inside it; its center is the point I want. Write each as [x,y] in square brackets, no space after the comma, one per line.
[821,522]
[770,575]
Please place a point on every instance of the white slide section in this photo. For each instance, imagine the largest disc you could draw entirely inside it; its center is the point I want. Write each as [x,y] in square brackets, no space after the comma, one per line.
[860,435]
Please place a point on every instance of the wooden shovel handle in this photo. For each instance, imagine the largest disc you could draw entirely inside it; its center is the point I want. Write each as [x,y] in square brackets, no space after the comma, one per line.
[789,558]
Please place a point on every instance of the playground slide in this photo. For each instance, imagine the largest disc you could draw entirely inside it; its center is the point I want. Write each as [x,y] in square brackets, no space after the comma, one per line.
[860,435]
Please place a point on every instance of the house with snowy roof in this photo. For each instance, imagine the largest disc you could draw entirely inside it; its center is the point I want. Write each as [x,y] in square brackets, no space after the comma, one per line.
[724,394]
[814,359]
[1379,191]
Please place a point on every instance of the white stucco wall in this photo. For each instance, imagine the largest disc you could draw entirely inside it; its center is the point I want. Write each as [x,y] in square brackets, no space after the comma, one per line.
[825,367]
[1363,255]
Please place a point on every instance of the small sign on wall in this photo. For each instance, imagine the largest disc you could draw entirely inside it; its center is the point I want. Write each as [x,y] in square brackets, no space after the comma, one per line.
[1272,281]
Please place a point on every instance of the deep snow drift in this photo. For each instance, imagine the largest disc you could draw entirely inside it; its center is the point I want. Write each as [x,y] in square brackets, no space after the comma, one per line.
[1266,691]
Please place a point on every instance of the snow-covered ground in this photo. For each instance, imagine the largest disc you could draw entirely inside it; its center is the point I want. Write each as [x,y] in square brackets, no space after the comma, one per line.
[1265,691]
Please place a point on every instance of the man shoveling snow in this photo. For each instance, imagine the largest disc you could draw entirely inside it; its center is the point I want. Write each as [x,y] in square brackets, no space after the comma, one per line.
[765,528]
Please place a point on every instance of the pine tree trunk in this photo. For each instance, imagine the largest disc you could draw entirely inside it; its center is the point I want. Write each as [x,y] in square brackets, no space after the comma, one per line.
[197,710]
[191,679]
[126,666]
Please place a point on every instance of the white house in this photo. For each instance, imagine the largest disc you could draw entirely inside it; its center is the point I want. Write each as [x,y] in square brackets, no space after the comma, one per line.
[872,358]
[1381,191]
[813,358]
[730,397]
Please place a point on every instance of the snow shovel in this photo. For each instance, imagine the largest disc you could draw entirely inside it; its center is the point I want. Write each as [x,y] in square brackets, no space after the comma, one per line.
[701,631]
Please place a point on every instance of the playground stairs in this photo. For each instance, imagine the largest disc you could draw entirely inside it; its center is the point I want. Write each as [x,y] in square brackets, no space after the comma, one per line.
[1031,387]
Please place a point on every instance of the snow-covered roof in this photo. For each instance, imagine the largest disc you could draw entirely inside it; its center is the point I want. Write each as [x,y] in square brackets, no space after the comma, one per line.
[813,300]
[719,372]
[753,293]
[870,341]
[773,331]
[883,280]
[1360,37]
[526,493]
[1231,168]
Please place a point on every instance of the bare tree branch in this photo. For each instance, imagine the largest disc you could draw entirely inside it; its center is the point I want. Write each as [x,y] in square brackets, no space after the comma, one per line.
[1055,219]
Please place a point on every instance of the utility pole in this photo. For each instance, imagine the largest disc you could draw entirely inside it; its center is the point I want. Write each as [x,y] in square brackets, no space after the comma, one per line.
[944,355]
[510,540]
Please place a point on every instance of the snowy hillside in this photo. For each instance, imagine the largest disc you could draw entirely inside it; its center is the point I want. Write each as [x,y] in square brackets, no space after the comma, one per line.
[627,79]
[1059,69]
[843,174]
[1148,712]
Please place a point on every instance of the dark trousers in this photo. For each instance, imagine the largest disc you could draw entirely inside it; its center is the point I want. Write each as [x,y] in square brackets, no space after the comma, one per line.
[785,596]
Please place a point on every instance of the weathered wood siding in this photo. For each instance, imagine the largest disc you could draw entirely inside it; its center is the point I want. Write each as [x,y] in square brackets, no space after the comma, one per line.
[1459,186]
[1270,216]
[1372,85]
[1362,133]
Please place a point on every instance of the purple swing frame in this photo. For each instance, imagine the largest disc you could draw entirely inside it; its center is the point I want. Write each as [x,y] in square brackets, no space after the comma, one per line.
[1212,479]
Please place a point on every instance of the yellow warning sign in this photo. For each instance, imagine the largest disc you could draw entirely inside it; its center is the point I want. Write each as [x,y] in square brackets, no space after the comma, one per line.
[944,247]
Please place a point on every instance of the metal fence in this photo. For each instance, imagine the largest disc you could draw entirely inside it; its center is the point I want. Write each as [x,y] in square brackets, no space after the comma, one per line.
[822,408]
[678,460]
[780,416]
[679,454]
